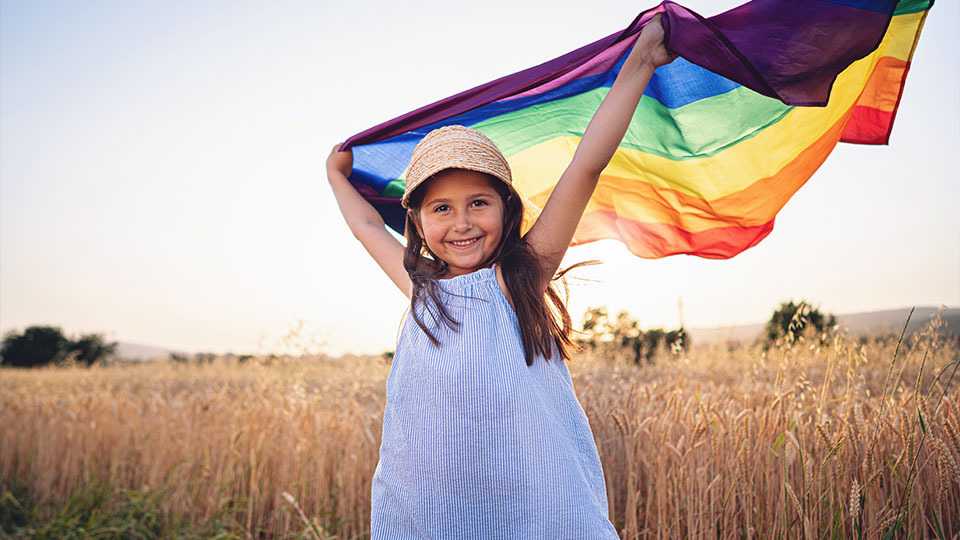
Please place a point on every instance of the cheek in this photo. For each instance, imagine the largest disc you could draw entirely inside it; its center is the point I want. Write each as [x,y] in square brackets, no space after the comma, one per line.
[432,234]
[494,226]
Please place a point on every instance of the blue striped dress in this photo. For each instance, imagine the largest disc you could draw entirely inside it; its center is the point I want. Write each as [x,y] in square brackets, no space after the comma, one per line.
[476,444]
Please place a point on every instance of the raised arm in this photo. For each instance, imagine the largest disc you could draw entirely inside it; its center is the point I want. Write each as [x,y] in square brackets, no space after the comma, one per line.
[365,222]
[551,234]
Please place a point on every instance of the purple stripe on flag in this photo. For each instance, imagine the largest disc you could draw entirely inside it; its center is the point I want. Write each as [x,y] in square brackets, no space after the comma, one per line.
[600,63]
[787,49]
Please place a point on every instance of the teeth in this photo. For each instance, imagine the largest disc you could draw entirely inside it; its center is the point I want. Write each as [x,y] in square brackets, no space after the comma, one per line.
[464,243]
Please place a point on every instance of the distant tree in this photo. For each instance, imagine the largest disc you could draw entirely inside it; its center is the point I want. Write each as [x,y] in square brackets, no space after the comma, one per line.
[37,346]
[791,320]
[91,348]
[623,336]
[43,345]
[677,340]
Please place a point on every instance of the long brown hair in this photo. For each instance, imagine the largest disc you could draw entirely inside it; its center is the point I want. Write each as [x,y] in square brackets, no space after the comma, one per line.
[536,313]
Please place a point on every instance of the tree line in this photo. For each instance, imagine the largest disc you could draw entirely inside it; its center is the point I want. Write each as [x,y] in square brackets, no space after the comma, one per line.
[602,333]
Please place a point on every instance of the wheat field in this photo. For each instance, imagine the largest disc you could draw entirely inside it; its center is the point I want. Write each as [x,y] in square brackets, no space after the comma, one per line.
[823,439]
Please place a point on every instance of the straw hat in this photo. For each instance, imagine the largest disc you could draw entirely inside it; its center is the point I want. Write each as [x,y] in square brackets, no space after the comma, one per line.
[457,147]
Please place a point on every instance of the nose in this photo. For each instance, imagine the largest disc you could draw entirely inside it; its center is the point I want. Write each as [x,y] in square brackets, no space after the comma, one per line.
[462,223]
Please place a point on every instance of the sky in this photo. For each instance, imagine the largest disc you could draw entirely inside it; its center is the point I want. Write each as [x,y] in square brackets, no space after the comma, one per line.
[162,177]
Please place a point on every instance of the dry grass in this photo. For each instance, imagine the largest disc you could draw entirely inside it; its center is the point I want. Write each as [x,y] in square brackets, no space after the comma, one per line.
[811,441]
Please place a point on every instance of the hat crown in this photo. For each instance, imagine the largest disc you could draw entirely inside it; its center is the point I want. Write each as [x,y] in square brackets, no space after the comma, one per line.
[454,146]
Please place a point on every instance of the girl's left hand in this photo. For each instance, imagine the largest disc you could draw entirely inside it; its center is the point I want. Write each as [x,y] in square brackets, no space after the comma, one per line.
[649,48]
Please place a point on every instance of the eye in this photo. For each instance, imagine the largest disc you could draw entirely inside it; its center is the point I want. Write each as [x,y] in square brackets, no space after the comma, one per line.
[439,207]
[482,202]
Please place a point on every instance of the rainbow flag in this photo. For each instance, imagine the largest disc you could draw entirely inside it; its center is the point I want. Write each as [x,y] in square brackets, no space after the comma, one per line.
[721,139]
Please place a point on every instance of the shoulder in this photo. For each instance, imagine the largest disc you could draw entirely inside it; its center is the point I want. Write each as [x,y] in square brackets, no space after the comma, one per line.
[503,286]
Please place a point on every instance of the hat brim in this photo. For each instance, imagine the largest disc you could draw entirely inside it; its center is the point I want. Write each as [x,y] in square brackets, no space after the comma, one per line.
[430,173]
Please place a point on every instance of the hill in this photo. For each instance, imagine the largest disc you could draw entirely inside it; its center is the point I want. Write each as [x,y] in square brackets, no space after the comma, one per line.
[868,323]
[136,351]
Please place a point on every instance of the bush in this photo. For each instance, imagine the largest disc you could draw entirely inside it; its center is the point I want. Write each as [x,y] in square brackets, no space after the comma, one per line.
[623,336]
[44,345]
[792,320]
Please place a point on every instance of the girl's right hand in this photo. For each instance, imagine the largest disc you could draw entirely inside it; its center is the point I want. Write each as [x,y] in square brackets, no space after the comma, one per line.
[341,162]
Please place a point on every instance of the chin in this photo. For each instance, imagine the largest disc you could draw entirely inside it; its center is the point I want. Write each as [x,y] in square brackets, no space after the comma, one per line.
[469,262]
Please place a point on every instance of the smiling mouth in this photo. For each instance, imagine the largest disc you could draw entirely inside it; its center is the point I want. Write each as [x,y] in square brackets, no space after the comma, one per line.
[464,243]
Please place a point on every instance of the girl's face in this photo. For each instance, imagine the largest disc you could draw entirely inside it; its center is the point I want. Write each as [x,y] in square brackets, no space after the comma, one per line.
[461,218]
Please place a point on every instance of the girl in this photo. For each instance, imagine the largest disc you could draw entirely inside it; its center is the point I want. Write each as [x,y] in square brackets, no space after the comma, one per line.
[483,436]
